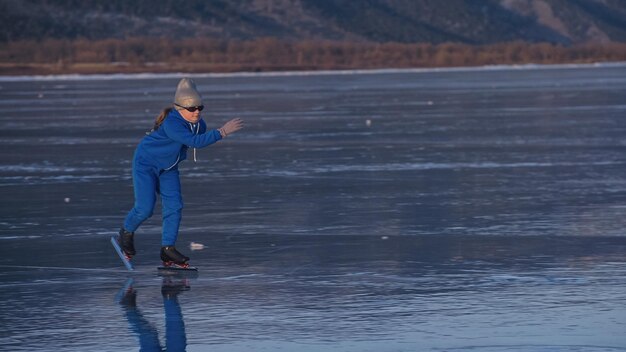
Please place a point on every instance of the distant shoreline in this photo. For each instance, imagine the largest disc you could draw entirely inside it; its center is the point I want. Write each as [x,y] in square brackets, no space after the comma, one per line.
[157,75]
[8,70]
[193,56]
[40,69]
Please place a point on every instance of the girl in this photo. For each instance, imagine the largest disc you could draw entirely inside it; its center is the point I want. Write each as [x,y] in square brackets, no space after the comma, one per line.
[155,168]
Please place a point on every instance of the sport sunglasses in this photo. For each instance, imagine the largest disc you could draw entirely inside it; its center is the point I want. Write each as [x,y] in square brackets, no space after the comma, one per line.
[191,108]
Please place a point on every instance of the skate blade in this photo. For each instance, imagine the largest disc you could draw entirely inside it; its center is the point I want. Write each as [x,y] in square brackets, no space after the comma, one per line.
[176,267]
[125,259]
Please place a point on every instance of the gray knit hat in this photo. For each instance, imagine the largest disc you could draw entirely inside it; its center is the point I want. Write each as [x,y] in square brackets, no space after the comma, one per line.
[187,94]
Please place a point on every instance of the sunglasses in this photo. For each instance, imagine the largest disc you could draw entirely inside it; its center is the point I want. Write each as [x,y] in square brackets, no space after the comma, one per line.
[191,108]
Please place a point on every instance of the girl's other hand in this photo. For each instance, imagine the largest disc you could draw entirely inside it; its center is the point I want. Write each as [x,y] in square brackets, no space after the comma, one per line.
[231,126]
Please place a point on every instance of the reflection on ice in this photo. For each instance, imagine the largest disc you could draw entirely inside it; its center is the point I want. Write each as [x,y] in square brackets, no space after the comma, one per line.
[147,333]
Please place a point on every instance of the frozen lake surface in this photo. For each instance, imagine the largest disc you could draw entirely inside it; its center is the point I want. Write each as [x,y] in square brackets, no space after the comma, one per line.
[429,210]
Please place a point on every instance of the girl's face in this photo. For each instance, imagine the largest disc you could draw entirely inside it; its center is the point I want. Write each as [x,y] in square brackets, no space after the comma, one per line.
[191,116]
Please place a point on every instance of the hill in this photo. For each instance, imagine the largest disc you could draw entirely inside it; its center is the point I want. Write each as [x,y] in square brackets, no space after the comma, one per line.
[403,21]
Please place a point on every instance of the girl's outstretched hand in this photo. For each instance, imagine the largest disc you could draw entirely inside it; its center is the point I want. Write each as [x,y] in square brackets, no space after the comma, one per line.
[231,126]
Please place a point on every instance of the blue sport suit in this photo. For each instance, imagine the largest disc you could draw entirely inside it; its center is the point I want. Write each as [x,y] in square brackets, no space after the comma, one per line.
[155,171]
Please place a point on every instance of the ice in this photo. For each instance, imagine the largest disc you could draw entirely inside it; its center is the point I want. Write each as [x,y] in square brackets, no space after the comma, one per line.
[481,209]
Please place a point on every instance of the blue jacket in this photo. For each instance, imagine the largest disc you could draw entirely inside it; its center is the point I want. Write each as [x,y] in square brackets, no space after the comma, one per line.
[167,146]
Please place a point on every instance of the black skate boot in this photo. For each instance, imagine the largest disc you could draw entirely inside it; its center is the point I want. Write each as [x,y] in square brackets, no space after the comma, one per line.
[126,242]
[171,257]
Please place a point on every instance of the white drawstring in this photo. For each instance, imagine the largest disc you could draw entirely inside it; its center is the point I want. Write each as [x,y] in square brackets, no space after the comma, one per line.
[194,132]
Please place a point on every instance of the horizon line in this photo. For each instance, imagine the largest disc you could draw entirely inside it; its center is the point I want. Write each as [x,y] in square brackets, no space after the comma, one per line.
[149,75]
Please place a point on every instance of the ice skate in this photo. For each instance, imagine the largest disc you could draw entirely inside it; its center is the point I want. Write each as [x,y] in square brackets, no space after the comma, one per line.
[174,260]
[127,243]
[116,241]
[170,256]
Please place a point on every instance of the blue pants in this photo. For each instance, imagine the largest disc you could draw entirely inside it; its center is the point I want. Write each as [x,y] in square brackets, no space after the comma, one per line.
[148,181]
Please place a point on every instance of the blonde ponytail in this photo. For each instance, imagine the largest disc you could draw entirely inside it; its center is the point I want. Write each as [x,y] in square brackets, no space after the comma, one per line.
[159,120]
